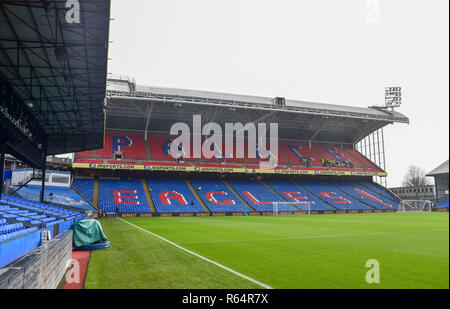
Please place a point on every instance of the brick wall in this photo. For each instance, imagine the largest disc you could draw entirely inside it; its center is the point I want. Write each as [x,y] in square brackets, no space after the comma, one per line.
[41,268]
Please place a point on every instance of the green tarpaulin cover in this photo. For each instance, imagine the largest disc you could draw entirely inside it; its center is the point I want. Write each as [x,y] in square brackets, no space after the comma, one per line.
[87,232]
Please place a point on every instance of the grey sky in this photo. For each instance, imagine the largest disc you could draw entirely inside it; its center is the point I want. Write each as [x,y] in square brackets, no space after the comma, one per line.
[339,52]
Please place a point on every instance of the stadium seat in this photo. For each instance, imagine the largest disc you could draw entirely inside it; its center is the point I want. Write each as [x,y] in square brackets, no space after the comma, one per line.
[217,196]
[173,195]
[296,151]
[258,196]
[380,192]
[363,195]
[332,196]
[292,192]
[125,194]
[57,195]
[131,145]
[85,187]
[442,204]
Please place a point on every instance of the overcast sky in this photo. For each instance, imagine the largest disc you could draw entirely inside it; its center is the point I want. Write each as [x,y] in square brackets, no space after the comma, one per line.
[339,52]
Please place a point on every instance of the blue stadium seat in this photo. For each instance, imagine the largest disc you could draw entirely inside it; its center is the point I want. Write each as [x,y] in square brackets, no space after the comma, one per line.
[380,192]
[86,187]
[258,196]
[333,196]
[217,196]
[442,204]
[291,192]
[364,195]
[127,195]
[173,195]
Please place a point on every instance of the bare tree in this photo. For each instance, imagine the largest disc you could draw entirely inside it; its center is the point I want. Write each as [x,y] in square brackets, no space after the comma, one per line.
[415,177]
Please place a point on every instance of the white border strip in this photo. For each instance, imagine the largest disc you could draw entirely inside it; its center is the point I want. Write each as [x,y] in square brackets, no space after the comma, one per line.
[202,257]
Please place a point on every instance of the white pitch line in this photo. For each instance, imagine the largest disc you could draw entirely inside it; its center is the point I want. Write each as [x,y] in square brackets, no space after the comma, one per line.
[202,257]
[307,237]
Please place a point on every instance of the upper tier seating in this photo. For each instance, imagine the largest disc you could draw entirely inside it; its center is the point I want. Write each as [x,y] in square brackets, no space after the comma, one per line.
[131,145]
[364,195]
[126,195]
[84,154]
[292,192]
[173,195]
[296,151]
[332,196]
[258,196]
[217,196]
[159,146]
[89,161]
[359,160]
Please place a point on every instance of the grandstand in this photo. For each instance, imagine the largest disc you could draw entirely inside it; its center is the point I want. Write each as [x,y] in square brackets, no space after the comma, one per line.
[318,162]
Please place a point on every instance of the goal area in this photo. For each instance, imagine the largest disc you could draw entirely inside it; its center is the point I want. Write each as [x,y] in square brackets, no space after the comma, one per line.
[287,208]
[415,206]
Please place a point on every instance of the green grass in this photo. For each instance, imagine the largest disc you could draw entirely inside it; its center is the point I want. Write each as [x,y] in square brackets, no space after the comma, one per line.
[316,251]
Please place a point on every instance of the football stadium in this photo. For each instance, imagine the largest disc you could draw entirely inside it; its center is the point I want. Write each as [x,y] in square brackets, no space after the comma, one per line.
[173,188]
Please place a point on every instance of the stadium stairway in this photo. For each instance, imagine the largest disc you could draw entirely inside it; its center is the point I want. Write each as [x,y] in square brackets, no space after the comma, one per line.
[84,198]
[96,189]
[358,192]
[346,189]
[148,196]
[196,195]
[316,196]
[380,191]
[235,193]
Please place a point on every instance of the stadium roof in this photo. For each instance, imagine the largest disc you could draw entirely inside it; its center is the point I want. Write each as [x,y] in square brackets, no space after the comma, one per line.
[58,69]
[441,169]
[157,108]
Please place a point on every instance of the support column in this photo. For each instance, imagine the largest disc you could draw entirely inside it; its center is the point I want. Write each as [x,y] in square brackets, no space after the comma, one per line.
[41,198]
[2,166]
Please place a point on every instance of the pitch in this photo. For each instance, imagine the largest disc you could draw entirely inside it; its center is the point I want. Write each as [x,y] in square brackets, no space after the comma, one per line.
[315,251]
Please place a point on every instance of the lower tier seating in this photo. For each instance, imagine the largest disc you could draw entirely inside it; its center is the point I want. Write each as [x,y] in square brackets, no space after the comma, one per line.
[258,196]
[292,192]
[173,195]
[380,191]
[85,187]
[364,195]
[217,196]
[124,195]
[333,196]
